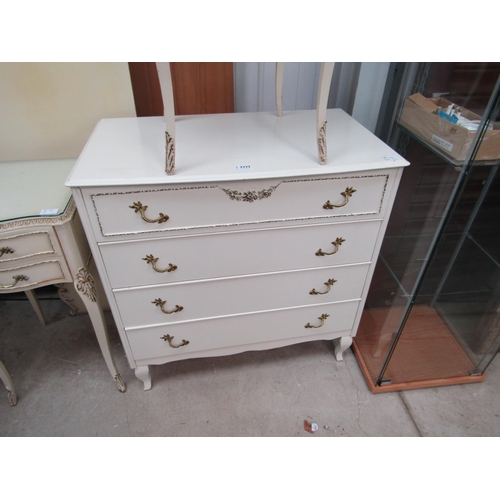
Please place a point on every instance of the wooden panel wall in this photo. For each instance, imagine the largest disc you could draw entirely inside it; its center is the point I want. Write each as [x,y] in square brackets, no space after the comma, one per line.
[199,88]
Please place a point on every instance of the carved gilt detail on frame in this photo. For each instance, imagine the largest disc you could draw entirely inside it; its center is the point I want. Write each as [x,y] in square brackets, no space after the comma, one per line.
[170,154]
[250,196]
[85,283]
[322,143]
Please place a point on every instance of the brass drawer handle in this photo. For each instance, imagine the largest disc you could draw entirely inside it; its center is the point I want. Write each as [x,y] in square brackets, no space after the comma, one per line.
[346,194]
[160,303]
[6,250]
[335,243]
[321,318]
[139,207]
[17,278]
[150,259]
[169,338]
[328,284]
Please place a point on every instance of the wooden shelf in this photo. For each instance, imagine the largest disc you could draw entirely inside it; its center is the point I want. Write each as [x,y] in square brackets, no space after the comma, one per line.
[427,354]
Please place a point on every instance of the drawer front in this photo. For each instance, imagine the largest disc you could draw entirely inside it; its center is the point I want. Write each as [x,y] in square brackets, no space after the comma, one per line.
[238,253]
[20,246]
[244,294]
[16,279]
[144,210]
[244,331]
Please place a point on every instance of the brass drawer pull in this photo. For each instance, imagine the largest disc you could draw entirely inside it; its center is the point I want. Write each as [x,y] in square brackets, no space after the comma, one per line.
[321,318]
[6,250]
[17,278]
[161,303]
[150,259]
[328,284]
[335,243]
[346,194]
[169,338]
[139,207]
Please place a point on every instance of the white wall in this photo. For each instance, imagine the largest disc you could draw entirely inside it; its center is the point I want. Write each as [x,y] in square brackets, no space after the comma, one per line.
[48,110]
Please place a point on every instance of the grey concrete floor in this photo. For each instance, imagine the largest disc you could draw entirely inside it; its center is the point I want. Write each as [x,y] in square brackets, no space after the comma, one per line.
[65,389]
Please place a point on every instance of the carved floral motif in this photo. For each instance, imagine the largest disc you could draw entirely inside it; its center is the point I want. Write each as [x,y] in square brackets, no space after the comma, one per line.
[85,283]
[250,196]
[322,143]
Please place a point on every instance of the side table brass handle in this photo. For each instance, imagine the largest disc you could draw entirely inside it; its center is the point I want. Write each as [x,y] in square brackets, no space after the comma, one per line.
[335,243]
[139,207]
[328,284]
[346,194]
[6,250]
[321,318]
[17,278]
[160,303]
[169,338]
[150,259]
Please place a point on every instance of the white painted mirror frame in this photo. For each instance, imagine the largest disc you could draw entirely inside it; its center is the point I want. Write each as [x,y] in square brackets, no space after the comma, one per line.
[167,93]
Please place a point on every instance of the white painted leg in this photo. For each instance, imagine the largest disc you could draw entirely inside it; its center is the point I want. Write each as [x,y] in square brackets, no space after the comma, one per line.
[341,345]
[4,375]
[167,93]
[280,69]
[35,305]
[325,80]
[66,294]
[85,286]
[142,373]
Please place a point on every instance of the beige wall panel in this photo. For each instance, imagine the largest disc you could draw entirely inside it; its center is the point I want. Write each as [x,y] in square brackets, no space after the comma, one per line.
[48,110]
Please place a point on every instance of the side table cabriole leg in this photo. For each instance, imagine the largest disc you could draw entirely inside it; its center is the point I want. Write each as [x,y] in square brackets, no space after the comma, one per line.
[4,375]
[85,286]
[65,296]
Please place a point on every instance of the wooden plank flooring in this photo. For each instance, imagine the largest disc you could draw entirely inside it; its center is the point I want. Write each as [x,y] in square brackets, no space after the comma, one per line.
[427,354]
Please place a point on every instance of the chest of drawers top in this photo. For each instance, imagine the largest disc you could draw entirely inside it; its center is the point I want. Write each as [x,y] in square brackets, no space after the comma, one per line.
[227,147]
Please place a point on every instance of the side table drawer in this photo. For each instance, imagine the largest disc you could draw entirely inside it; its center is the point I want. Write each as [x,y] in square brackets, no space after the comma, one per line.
[24,277]
[151,209]
[219,255]
[28,244]
[152,345]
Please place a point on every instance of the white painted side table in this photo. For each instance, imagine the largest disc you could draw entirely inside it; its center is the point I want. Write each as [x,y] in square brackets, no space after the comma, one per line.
[42,243]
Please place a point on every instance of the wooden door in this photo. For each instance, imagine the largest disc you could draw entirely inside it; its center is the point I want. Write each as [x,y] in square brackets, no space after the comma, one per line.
[199,88]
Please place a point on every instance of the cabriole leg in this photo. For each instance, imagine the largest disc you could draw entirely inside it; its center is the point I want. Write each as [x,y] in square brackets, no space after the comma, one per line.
[341,345]
[5,377]
[85,286]
[142,373]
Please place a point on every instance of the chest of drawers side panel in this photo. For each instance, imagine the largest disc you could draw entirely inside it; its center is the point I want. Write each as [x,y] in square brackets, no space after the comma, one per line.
[391,195]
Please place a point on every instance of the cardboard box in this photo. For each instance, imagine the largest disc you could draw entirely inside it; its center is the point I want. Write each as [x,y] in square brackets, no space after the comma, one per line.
[420,117]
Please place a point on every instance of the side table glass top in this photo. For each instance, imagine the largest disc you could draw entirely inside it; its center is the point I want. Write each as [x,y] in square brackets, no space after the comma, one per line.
[34,188]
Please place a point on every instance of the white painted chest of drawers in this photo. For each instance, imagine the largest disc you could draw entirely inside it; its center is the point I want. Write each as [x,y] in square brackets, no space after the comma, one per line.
[250,245]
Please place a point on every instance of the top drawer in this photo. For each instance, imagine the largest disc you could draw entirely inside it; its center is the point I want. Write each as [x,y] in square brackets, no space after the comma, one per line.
[154,209]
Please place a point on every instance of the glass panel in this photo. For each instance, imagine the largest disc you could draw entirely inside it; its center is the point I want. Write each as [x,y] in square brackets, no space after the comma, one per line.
[422,198]
[34,188]
[433,307]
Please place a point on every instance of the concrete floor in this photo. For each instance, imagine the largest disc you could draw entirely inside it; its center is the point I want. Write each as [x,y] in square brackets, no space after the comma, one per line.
[65,389]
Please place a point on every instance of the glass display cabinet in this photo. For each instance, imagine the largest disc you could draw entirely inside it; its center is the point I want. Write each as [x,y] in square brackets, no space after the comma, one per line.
[432,317]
